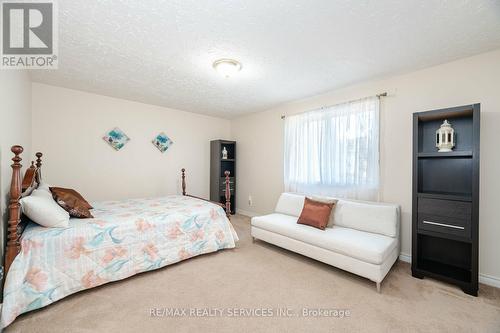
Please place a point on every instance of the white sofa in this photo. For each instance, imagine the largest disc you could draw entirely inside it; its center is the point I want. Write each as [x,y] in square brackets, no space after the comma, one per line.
[362,237]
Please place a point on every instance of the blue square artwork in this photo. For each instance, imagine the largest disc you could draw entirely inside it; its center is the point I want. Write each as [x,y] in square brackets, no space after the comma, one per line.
[162,142]
[116,138]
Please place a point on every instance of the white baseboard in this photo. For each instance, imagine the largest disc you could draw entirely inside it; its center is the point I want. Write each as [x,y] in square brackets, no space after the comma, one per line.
[246,213]
[405,257]
[489,280]
[483,278]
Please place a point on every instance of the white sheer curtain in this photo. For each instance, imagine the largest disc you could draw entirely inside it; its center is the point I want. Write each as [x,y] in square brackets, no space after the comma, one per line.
[334,151]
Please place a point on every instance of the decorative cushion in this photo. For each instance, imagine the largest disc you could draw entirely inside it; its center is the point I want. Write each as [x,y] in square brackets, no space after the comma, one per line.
[328,200]
[315,213]
[41,208]
[72,202]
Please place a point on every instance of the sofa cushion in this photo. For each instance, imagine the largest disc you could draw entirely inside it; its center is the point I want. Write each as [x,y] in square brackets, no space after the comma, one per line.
[374,217]
[377,217]
[290,204]
[365,246]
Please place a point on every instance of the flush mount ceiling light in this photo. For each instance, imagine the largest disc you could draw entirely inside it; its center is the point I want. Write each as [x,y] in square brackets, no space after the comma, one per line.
[227,67]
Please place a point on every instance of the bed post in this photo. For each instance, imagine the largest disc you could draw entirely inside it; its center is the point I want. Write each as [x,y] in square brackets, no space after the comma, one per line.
[228,194]
[38,176]
[183,173]
[13,246]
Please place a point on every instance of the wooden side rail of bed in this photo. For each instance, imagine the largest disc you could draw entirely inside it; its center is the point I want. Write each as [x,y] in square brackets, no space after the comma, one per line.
[226,206]
[18,188]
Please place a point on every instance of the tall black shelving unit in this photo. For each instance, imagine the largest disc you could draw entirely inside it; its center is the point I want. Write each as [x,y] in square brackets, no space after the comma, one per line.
[218,166]
[445,219]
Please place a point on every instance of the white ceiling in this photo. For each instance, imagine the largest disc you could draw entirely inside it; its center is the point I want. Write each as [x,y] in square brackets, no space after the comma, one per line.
[161,52]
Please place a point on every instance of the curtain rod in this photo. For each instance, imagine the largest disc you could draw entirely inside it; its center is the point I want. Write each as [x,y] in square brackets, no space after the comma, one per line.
[384,94]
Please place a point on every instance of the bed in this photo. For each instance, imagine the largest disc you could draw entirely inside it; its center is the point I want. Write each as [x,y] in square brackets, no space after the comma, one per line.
[123,239]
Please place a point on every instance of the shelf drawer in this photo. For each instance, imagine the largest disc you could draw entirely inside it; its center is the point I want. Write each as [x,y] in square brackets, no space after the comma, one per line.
[445,224]
[445,216]
[445,208]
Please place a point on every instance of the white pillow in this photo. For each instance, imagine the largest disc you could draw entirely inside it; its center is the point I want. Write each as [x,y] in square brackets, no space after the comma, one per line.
[42,209]
[376,218]
[44,187]
[290,204]
[42,193]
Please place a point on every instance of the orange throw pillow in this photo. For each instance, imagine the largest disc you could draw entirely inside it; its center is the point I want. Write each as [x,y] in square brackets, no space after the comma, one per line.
[315,213]
[72,202]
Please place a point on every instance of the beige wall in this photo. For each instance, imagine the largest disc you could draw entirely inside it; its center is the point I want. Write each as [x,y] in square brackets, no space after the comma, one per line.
[467,81]
[15,128]
[68,127]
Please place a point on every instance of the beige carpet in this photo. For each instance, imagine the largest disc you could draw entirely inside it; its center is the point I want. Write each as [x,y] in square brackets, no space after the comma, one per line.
[261,276]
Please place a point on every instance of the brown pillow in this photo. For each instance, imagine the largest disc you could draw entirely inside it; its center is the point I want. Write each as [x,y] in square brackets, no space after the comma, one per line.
[72,202]
[327,200]
[315,213]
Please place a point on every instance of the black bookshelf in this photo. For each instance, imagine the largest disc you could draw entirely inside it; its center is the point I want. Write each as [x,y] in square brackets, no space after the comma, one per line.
[445,209]
[218,166]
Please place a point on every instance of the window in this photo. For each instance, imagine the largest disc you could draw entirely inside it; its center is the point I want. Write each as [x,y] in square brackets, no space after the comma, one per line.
[334,150]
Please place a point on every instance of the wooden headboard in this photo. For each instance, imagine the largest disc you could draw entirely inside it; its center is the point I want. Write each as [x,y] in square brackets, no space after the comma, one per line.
[32,178]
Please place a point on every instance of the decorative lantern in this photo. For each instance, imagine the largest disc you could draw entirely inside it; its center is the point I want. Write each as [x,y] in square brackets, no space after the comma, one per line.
[445,137]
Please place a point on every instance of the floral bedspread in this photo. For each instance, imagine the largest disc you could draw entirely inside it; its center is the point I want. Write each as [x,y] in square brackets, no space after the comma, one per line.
[124,238]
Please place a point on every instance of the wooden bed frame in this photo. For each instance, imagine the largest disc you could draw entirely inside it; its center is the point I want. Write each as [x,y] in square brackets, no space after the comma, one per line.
[32,178]
[18,188]
[226,206]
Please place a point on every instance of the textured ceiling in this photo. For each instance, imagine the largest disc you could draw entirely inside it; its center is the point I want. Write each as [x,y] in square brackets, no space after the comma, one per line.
[161,52]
